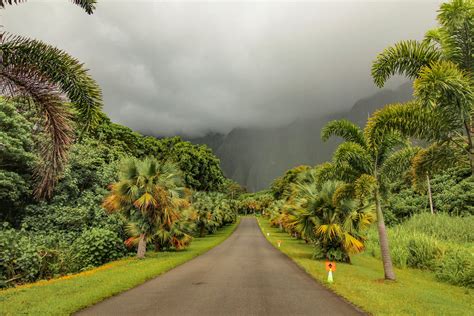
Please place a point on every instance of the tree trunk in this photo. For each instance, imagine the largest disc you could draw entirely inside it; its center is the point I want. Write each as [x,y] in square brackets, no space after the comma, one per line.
[157,246]
[429,194]
[141,247]
[383,239]
[203,231]
[470,142]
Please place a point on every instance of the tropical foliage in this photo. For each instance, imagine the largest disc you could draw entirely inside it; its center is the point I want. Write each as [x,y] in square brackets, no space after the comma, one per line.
[43,78]
[147,195]
[335,224]
[443,109]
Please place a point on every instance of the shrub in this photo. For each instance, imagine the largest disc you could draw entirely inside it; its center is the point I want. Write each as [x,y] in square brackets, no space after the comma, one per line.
[443,227]
[423,251]
[456,267]
[440,243]
[20,261]
[95,247]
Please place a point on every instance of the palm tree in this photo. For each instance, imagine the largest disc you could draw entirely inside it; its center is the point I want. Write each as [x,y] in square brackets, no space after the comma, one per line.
[147,195]
[334,223]
[443,109]
[367,168]
[45,77]
[87,5]
[203,207]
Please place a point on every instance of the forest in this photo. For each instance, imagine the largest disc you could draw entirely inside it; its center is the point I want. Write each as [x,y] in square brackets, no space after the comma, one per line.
[78,191]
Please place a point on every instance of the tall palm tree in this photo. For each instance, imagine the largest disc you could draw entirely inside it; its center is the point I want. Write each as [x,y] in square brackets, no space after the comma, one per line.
[335,223]
[367,168]
[147,195]
[443,109]
[46,77]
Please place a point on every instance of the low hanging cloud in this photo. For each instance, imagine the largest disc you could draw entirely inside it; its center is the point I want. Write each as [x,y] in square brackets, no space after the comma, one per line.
[190,68]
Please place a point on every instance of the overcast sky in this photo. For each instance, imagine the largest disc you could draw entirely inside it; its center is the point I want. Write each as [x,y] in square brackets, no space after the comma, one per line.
[193,67]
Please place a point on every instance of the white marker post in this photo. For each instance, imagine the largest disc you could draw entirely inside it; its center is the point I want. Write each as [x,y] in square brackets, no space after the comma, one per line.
[268,234]
[279,243]
[330,267]
[330,279]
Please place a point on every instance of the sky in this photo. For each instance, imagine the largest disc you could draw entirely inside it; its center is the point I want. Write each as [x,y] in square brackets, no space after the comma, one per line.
[190,68]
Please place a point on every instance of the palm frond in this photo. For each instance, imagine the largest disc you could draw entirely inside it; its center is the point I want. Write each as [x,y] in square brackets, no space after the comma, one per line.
[410,120]
[31,87]
[62,70]
[87,5]
[344,129]
[433,159]
[398,163]
[354,155]
[405,58]
[364,186]
[444,85]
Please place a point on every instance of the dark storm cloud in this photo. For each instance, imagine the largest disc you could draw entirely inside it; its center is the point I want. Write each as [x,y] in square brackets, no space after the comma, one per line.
[189,68]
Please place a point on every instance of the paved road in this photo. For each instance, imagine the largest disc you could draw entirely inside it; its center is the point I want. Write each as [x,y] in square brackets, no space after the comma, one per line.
[244,275]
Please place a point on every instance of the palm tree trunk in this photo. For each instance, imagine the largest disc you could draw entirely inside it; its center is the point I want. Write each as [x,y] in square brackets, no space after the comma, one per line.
[203,231]
[141,247]
[470,136]
[429,193]
[383,239]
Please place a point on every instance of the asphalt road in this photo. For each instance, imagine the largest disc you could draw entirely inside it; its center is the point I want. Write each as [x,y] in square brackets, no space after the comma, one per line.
[245,275]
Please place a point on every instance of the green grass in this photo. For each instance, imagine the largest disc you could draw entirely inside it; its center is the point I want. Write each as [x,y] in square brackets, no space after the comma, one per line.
[415,292]
[71,293]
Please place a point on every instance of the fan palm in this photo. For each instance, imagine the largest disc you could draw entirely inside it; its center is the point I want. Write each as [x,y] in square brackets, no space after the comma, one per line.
[203,207]
[336,225]
[46,77]
[443,110]
[147,195]
[367,168]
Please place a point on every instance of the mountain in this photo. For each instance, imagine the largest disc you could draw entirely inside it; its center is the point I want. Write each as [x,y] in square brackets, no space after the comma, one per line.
[254,157]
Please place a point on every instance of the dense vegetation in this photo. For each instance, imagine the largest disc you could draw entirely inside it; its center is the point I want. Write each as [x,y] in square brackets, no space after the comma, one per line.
[71,231]
[77,190]
[382,175]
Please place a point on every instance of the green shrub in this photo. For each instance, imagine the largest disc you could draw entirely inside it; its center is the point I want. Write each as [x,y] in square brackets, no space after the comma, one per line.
[95,247]
[423,251]
[20,261]
[443,227]
[440,242]
[457,267]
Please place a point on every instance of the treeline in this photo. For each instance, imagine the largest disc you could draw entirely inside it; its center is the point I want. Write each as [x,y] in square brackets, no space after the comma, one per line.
[71,231]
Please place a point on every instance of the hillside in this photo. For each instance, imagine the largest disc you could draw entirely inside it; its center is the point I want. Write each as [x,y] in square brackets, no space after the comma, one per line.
[254,157]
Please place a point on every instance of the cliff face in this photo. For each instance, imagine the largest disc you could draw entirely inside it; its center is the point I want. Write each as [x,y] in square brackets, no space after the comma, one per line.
[255,157]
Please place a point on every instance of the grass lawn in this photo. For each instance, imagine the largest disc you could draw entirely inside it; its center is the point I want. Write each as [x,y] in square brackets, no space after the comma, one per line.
[415,292]
[71,293]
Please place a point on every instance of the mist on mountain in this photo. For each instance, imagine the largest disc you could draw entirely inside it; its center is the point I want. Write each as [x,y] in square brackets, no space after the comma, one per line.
[254,157]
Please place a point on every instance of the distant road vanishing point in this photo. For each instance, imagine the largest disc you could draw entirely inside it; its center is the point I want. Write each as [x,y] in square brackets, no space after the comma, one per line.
[245,275]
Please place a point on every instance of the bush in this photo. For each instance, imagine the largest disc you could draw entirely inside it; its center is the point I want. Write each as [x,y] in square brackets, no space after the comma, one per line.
[423,251]
[20,261]
[440,243]
[457,267]
[95,247]
[443,227]
[453,194]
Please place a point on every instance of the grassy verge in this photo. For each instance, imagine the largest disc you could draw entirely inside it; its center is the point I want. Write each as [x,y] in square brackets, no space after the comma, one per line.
[416,292]
[71,293]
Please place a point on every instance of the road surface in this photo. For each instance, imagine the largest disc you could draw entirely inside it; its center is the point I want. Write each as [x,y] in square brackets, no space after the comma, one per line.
[245,275]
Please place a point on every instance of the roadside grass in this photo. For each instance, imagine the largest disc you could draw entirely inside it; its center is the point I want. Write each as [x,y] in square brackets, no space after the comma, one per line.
[68,294]
[415,292]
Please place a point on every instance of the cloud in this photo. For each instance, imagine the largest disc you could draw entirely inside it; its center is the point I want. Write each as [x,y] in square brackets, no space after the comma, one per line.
[189,67]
